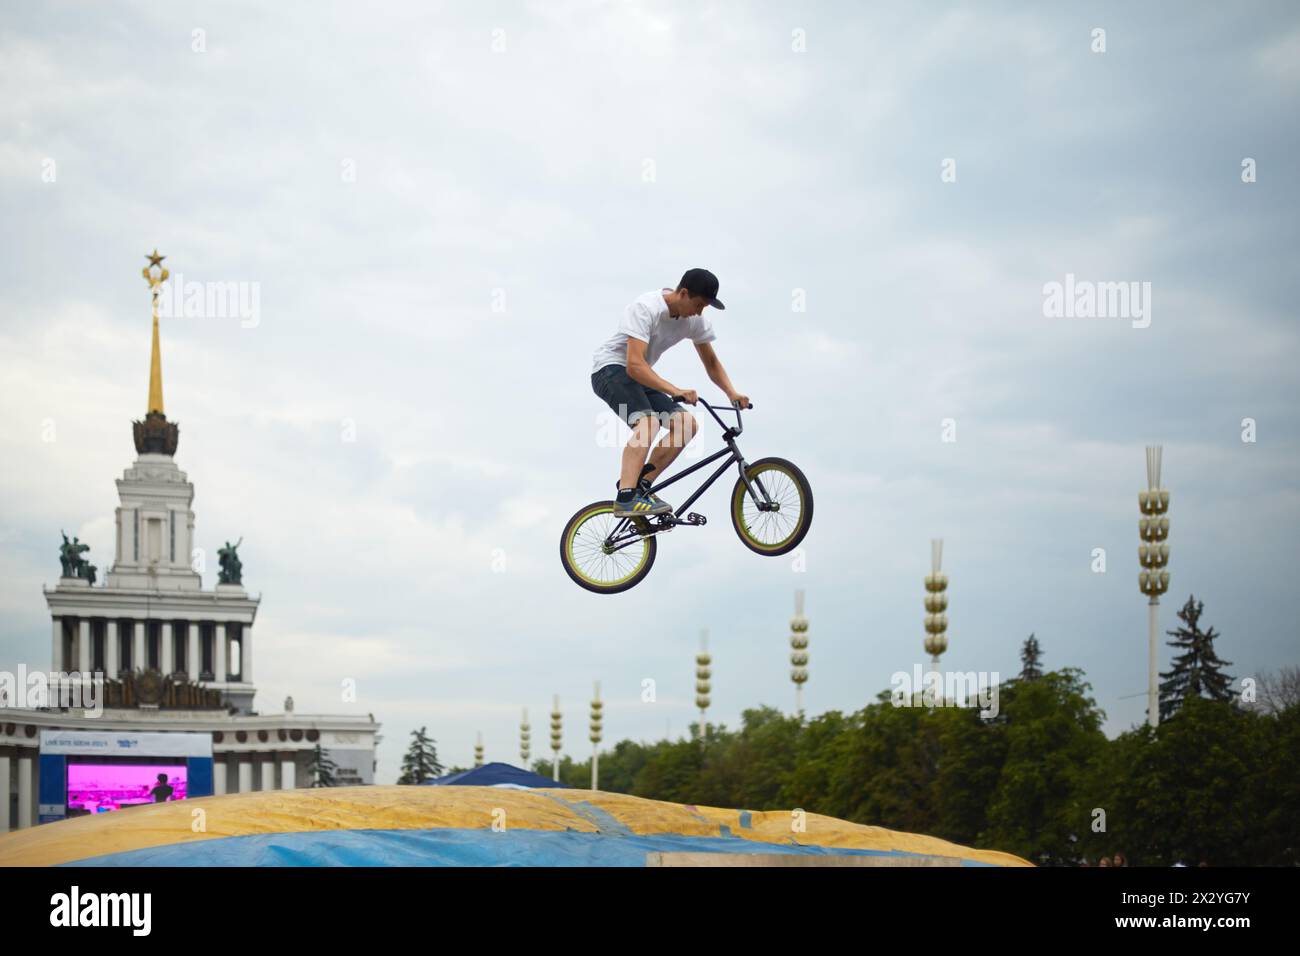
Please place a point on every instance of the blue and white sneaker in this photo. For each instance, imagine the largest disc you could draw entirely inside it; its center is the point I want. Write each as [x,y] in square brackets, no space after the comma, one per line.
[644,490]
[642,503]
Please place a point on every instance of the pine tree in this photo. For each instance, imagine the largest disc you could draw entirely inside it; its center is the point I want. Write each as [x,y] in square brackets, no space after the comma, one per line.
[1197,671]
[321,769]
[1030,655]
[421,761]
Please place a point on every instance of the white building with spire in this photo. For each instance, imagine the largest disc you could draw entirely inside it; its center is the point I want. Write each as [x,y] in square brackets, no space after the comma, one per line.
[163,656]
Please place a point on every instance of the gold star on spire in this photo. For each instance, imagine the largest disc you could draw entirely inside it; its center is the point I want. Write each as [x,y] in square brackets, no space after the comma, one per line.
[155,363]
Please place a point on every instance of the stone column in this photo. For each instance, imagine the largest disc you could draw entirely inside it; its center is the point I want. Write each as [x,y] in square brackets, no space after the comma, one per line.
[139,660]
[268,772]
[288,767]
[245,772]
[112,659]
[246,654]
[6,762]
[26,788]
[218,774]
[219,651]
[167,655]
[56,653]
[193,659]
[83,645]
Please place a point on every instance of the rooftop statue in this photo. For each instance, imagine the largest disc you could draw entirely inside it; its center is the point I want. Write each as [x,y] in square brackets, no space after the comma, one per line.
[70,557]
[232,569]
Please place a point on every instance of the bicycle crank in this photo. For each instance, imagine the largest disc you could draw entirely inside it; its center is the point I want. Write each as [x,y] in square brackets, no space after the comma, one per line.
[668,522]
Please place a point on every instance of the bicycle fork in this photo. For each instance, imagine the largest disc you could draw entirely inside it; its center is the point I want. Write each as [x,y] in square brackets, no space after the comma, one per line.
[764,501]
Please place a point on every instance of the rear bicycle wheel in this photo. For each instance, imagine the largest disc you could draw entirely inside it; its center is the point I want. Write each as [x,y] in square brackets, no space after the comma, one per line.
[777,531]
[596,564]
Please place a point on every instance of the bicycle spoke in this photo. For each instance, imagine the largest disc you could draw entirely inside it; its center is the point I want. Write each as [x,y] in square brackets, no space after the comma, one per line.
[772,527]
[588,551]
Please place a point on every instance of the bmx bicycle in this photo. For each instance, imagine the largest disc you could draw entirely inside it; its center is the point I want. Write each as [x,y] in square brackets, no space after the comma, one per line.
[771,510]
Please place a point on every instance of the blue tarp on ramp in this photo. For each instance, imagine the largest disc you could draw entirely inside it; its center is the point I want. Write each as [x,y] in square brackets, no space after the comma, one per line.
[504,825]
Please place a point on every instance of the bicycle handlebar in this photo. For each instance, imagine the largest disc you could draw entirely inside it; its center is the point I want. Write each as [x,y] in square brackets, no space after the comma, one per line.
[729,408]
[733,407]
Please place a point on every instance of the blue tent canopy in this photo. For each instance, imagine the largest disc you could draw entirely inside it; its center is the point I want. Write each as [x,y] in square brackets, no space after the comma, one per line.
[494,775]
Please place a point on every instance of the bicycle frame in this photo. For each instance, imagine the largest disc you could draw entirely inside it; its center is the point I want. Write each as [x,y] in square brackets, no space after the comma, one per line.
[733,456]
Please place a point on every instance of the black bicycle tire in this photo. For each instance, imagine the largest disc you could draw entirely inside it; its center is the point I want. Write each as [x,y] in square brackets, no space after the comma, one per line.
[805,519]
[587,585]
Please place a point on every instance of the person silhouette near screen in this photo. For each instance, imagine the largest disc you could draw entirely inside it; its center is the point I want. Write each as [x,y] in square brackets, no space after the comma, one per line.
[162,793]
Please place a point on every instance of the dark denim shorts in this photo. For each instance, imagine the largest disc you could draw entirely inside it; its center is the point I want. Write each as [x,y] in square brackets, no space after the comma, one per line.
[629,399]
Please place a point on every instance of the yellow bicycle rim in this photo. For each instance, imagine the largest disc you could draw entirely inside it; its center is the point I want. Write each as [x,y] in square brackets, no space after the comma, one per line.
[572,558]
[742,496]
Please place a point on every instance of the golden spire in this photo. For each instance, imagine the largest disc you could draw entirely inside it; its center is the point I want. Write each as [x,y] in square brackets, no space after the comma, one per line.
[155,360]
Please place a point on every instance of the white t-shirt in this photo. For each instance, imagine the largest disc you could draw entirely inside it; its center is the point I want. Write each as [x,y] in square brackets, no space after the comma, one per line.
[647,319]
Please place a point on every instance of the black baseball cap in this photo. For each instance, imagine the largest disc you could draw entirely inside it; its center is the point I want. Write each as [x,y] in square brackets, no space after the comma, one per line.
[702,283]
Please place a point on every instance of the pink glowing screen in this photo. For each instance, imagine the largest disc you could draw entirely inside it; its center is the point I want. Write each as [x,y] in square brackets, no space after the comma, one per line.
[98,788]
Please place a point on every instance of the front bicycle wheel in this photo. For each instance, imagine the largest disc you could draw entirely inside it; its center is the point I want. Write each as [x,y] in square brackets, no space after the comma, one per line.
[603,552]
[782,515]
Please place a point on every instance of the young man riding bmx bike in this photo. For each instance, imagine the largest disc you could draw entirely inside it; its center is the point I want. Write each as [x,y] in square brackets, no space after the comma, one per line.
[622,374]
[609,546]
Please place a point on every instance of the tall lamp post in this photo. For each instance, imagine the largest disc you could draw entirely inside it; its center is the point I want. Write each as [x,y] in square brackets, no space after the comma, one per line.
[596,707]
[798,652]
[557,721]
[703,686]
[936,621]
[525,739]
[1153,554]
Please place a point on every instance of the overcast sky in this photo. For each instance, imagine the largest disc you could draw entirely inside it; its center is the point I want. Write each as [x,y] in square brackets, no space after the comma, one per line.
[445,207]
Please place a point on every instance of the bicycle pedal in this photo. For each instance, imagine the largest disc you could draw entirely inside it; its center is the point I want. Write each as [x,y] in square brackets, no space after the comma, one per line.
[696,519]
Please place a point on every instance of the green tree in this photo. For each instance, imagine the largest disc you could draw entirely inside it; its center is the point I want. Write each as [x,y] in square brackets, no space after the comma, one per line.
[1210,786]
[321,769]
[672,771]
[1053,733]
[807,782]
[1121,794]
[885,764]
[974,750]
[1030,659]
[421,762]
[619,767]
[1219,783]
[1277,830]
[749,768]
[1197,672]
[1203,797]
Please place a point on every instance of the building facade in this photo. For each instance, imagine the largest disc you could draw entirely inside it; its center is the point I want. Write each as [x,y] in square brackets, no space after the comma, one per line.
[150,651]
